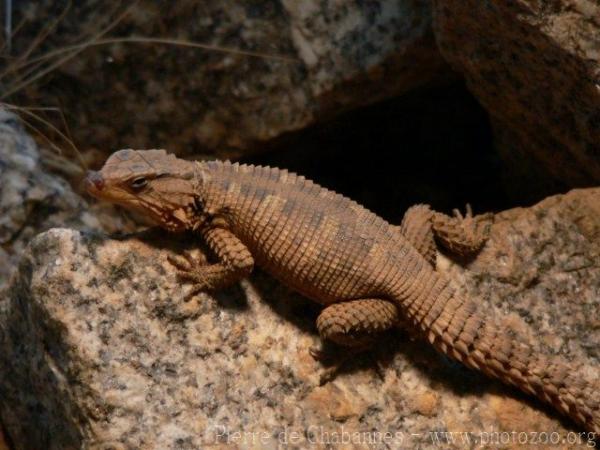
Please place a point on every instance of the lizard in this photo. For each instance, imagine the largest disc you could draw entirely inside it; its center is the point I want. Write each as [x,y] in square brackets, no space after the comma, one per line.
[368,274]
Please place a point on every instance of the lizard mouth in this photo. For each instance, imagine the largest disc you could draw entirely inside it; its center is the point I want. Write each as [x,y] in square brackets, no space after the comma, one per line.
[166,217]
[94,183]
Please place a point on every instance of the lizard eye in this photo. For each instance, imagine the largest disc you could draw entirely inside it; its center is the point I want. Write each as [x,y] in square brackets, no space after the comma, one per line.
[138,183]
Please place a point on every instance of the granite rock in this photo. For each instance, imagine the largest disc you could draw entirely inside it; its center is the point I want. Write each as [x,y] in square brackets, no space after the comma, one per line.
[535,67]
[336,56]
[99,348]
[31,199]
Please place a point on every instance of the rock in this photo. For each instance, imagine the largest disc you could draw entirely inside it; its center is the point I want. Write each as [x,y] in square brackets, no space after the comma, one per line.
[99,349]
[31,200]
[335,56]
[535,67]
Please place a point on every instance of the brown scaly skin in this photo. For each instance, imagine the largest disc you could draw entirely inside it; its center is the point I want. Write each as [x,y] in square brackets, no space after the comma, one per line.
[368,274]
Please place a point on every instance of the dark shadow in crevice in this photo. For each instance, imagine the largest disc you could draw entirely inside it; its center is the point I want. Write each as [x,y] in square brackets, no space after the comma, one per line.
[430,146]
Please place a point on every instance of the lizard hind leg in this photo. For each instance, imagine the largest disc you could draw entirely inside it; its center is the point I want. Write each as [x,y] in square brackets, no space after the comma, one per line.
[357,323]
[354,325]
[416,228]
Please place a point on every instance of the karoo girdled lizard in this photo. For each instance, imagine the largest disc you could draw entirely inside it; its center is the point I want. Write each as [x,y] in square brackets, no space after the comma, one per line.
[368,274]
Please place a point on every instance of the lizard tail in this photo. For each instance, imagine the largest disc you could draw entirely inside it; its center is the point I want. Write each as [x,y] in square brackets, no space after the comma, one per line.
[457,328]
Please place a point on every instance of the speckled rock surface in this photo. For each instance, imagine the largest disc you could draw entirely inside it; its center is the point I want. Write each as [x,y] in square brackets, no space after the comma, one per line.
[535,66]
[31,200]
[98,348]
[339,55]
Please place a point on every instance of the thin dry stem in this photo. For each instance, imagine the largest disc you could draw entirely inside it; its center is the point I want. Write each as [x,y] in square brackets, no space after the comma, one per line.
[60,163]
[14,32]
[29,112]
[36,41]
[167,41]
[11,90]
[45,32]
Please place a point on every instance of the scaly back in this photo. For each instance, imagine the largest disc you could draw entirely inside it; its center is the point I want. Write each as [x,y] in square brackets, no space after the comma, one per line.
[322,243]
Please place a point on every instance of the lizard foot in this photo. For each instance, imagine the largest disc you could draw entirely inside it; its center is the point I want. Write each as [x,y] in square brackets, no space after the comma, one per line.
[335,362]
[187,262]
[332,369]
[192,270]
[484,220]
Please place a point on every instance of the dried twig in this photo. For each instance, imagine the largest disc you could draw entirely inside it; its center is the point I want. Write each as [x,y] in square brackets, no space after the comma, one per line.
[29,111]
[15,88]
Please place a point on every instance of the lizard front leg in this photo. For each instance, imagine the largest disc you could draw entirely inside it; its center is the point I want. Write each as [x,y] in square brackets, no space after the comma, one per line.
[234,262]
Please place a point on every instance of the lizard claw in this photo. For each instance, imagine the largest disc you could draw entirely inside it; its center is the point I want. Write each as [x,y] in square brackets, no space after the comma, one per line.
[335,362]
[180,263]
[195,290]
[193,271]
[480,224]
[198,277]
[378,367]
[329,374]
[318,354]
[186,262]
[468,212]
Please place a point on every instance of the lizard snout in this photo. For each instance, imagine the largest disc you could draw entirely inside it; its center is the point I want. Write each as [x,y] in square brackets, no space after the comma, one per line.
[94,182]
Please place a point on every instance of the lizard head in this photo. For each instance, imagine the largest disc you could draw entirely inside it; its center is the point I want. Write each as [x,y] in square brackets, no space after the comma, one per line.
[155,183]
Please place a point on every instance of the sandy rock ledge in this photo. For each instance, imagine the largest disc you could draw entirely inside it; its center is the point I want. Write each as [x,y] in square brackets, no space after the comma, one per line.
[99,350]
